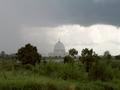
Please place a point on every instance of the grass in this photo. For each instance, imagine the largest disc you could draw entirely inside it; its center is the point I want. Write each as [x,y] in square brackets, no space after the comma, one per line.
[52,76]
[35,82]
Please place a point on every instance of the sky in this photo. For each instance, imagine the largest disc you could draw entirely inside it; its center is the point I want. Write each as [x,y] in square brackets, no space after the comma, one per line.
[77,23]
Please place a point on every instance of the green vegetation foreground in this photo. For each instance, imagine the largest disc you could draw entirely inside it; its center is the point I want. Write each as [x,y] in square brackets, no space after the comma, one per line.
[54,76]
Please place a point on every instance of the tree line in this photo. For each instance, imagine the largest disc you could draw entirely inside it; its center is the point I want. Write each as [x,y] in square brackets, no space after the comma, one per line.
[30,52]
[29,55]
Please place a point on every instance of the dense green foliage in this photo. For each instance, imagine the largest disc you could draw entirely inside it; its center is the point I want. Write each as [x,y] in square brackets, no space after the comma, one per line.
[68,59]
[101,72]
[28,55]
[59,76]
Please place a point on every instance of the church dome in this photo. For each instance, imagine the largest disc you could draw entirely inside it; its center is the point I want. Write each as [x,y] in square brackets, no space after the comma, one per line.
[59,45]
[59,49]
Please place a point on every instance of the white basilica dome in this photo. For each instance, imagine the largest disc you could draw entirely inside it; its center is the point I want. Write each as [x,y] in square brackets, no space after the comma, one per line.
[59,49]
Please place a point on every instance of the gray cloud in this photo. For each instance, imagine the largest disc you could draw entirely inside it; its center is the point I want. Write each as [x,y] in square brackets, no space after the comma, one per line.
[54,12]
[37,13]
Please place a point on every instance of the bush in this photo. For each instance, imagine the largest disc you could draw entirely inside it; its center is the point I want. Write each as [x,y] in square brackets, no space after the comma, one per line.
[68,59]
[72,72]
[101,72]
[59,70]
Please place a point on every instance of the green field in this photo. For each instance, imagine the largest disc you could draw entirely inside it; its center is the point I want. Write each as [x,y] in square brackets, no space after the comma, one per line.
[55,76]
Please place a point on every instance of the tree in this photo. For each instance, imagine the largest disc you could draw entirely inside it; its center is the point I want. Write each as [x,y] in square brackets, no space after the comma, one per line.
[68,59]
[28,55]
[73,52]
[88,58]
[107,55]
[117,57]
[2,54]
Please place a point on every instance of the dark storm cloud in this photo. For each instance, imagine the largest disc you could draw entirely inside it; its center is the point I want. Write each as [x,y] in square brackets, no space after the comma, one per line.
[54,12]
[89,12]
[15,13]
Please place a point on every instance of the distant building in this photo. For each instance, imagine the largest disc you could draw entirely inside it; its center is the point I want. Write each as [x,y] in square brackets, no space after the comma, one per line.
[59,50]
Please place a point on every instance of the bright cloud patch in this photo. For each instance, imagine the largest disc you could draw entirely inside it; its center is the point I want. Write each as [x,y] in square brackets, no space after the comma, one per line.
[99,37]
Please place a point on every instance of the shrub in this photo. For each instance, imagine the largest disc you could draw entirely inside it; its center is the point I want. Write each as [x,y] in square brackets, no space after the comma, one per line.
[68,59]
[66,71]
[101,72]
[72,72]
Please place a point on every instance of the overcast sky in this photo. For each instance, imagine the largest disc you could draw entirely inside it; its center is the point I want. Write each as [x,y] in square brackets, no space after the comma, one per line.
[78,23]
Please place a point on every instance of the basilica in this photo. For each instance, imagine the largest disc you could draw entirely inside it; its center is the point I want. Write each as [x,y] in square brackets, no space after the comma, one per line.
[59,50]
